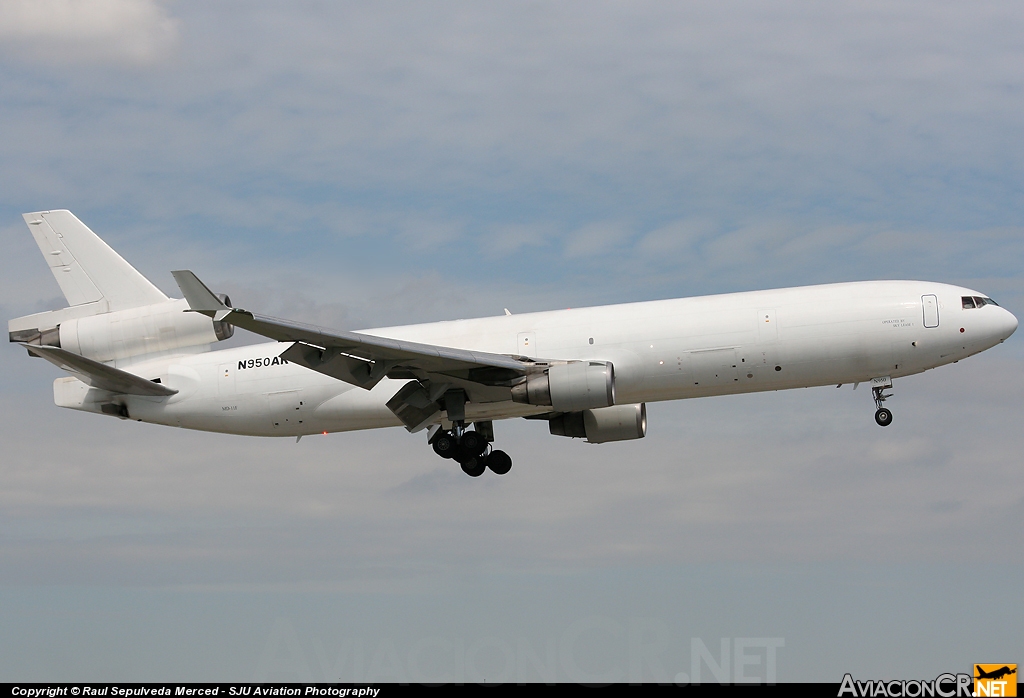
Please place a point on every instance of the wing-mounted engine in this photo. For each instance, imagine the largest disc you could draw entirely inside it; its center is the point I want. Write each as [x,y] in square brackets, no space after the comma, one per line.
[616,423]
[121,334]
[569,387]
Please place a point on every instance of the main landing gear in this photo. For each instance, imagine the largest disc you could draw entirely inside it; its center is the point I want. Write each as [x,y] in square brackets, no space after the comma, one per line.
[883,417]
[471,449]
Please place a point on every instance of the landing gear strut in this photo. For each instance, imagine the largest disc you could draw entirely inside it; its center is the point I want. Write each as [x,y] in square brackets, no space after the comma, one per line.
[471,448]
[883,417]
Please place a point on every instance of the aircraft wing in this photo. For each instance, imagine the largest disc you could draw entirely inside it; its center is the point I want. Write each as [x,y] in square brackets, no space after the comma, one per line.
[99,375]
[354,357]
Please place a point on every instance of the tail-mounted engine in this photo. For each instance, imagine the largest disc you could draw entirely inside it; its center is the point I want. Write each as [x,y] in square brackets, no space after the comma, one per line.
[124,333]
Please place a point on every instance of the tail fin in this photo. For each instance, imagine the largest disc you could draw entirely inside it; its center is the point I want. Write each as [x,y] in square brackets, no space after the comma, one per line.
[85,267]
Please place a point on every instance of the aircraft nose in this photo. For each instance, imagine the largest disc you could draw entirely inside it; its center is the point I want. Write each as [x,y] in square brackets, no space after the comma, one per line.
[1008,324]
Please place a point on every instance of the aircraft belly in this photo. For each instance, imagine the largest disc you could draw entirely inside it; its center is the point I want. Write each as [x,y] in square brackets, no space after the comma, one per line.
[358,409]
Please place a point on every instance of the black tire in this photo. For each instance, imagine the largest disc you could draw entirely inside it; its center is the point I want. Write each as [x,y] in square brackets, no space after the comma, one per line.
[499,462]
[445,445]
[473,467]
[883,417]
[473,444]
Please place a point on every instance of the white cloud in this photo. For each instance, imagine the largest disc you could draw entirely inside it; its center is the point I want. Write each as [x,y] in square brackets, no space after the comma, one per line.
[511,238]
[595,239]
[676,237]
[135,32]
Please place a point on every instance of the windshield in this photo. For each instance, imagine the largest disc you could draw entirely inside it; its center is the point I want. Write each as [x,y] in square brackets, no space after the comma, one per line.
[971,302]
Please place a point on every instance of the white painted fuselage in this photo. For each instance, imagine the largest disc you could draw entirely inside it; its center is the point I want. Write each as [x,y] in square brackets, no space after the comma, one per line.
[660,350]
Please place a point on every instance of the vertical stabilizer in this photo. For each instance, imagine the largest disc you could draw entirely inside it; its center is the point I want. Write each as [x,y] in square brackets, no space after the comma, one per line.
[85,267]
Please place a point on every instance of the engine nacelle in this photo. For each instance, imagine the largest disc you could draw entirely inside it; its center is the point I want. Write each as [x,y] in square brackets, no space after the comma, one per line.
[616,423]
[143,330]
[571,387]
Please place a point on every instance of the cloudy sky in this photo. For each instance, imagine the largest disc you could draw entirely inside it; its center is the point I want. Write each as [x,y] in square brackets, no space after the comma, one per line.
[364,164]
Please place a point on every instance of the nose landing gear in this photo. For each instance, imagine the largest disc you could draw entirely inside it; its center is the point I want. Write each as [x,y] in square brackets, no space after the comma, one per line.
[471,449]
[883,417]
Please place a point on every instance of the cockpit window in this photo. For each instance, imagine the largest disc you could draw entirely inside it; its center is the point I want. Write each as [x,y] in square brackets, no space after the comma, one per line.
[976,301]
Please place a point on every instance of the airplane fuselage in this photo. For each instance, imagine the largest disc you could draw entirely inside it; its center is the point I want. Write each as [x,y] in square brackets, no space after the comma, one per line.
[660,350]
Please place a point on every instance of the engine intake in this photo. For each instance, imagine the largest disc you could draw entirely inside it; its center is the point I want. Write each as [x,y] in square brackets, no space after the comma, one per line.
[617,423]
[570,387]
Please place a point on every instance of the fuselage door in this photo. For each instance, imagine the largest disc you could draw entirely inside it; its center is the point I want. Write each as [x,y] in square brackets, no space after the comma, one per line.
[528,344]
[931,310]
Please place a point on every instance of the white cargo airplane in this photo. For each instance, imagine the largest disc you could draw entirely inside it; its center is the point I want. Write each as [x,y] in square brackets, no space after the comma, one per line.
[134,353]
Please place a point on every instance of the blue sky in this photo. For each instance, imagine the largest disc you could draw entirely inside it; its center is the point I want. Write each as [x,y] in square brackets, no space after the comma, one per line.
[362,164]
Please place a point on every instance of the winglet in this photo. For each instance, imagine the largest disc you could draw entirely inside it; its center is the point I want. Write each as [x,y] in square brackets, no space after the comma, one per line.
[199,297]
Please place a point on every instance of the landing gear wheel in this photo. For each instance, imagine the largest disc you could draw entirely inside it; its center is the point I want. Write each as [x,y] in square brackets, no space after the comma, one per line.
[473,444]
[473,467]
[499,462]
[445,445]
[883,417]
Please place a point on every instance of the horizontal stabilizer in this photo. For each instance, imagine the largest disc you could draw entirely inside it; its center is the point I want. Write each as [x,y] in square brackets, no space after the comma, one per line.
[99,375]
